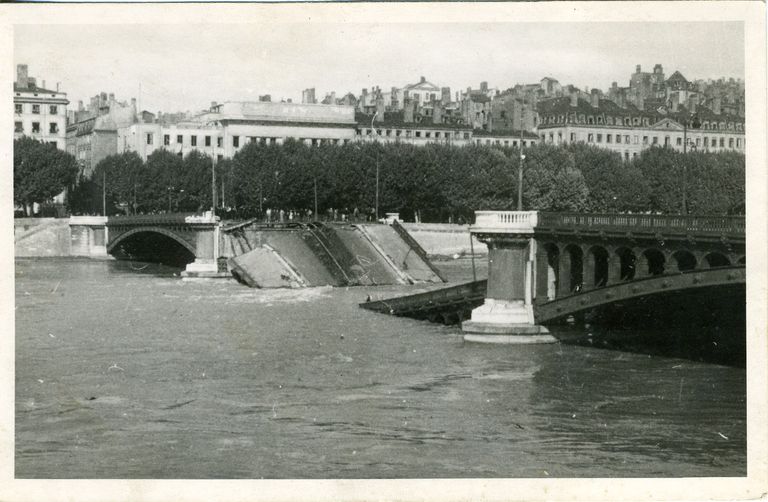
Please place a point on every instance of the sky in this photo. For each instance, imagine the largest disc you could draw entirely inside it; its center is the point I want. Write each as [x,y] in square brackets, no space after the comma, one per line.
[185,67]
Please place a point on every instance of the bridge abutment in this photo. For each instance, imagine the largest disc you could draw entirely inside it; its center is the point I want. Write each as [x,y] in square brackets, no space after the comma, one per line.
[506,315]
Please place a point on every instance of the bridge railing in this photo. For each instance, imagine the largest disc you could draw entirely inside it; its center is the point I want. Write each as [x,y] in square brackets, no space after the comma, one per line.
[154,219]
[505,221]
[648,222]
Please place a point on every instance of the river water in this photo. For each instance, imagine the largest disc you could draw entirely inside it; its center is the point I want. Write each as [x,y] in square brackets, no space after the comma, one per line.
[131,372]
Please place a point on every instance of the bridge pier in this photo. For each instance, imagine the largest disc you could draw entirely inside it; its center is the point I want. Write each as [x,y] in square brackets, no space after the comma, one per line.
[207,252]
[506,315]
[89,235]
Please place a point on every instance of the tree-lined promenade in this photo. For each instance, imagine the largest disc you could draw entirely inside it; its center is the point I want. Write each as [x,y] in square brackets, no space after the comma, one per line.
[439,183]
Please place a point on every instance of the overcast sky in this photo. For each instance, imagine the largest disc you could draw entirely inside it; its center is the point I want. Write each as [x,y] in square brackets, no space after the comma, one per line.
[185,67]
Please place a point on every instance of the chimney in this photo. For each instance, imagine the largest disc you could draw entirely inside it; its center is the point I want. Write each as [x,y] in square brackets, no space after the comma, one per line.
[640,102]
[111,97]
[574,98]
[43,86]
[445,95]
[595,98]
[483,86]
[57,86]
[437,113]
[21,76]
[31,83]
[716,106]
[637,69]
[693,104]
[422,80]
[379,108]
[619,100]
[408,111]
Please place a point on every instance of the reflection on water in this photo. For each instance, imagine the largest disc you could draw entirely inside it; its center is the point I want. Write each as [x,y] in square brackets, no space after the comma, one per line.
[131,372]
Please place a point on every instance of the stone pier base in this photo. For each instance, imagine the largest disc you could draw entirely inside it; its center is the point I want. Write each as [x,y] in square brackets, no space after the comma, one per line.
[504,321]
[203,268]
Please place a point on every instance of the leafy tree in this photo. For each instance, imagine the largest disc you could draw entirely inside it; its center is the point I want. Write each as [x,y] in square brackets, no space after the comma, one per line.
[614,185]
[40,171]
[551,180]
[121,179]
[163,170]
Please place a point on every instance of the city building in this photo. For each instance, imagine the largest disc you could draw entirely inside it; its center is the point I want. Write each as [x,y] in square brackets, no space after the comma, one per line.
[629,130]
[92,131]
[226,128]
[38,112]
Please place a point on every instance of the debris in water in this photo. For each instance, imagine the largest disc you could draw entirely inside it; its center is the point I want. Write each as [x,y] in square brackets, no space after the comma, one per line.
[723,435]
[115,367]
[41,380]
[51,335]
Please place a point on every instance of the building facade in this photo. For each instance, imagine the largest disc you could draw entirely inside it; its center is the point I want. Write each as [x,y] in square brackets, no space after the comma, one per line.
[38,112]
[629,130]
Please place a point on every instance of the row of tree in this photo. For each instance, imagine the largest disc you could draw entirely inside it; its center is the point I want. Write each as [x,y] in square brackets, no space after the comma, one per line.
[436,182]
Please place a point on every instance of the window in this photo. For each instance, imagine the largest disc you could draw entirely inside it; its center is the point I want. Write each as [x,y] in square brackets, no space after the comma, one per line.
[53,128]
[706,141]
[180,139]
[626,156]
[698,141]
[193,140]
[609,138]
[514,143]
[559,137]
[207,141]
[166,139]
[634,155]
[35,127]
[54,143]
[236,141]
[36,109]
[418,134]
[551,138]
[18,127]
[722,142]
[54,109]
[506,142]
[149,138]
[655,140]
[466,135]
[219,142]
[738,142]
[427,134]
[437,134]
[626,139]
[573,136]
[599,138]
[618,138]
[679,141]
[590,138]
[667,141]
[389,132]
[730,142]
[18,108]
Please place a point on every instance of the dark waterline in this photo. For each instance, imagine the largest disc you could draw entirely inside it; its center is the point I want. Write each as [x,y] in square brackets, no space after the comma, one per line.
[123,370]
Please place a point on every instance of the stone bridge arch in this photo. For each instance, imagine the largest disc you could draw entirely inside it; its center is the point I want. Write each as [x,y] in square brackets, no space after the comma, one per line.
[158,230]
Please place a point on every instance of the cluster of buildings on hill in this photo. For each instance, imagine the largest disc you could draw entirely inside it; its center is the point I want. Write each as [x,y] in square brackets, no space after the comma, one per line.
[652,110]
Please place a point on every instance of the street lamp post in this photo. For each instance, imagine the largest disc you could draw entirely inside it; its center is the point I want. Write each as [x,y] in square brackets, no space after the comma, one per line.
[377,168]
[520,168]
[104,192]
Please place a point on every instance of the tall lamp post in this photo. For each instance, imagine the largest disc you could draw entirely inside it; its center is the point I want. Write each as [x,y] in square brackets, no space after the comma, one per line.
[520,168]
[377,167]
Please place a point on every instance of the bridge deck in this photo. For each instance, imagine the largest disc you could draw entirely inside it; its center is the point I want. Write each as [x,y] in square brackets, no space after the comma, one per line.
[453,299]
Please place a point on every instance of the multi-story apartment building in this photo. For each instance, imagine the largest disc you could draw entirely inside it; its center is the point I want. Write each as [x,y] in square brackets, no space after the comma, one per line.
[92,132]
[628,130]
[226,128]
[38,112]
